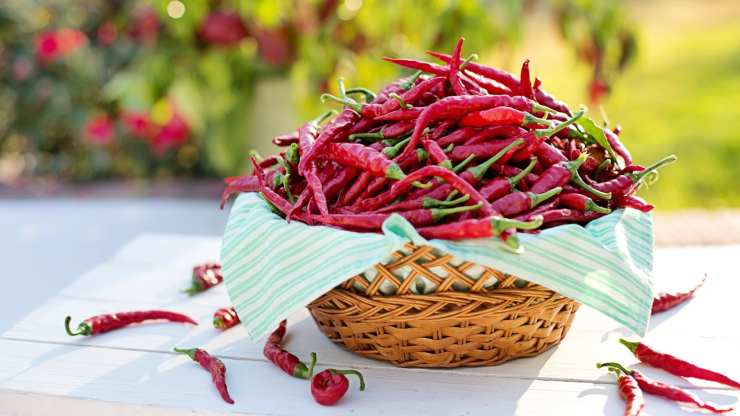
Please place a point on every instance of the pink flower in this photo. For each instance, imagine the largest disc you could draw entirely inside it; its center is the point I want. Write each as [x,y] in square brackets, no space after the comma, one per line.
[99,129]
[107,33]
[138,124]
[171,135]
[222,29]
[145,25]
[52,45]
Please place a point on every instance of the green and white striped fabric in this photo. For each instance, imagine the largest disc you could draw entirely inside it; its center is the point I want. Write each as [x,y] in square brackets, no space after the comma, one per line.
[271,268]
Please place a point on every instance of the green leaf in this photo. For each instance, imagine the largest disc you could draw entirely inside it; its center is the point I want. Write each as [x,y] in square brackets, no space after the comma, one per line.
[597,134]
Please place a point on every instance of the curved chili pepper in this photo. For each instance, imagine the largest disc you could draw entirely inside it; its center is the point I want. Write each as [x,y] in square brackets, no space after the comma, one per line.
[237,184]
[498,116]
[401,114]
[328,386]
[498,187]
[630,392]
[205,276]
[582,203]
[618,146]
[518,202]
[99,324]
[675,365]
[289,363]
[374,221]
[214,366]
[489,133]
[497,75]
[667,300]
[361,157]
[341,123]
[225,318]
[547,206]
[454,69]
[285,139]
[436,154]
[525,81]
[458,136]
[271,196]
[356,189]
[668,391]
[633,201]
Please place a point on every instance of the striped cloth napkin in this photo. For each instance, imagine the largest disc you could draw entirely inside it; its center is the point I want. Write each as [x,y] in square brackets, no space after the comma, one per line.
[271,268]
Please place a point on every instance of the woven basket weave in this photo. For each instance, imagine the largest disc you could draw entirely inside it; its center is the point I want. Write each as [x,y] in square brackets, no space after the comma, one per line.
[465,321]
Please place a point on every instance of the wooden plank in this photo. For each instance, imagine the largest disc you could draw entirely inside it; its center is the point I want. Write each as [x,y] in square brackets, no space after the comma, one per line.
[168,381]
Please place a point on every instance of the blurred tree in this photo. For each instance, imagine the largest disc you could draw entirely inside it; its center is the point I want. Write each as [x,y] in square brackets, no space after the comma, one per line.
[95,89]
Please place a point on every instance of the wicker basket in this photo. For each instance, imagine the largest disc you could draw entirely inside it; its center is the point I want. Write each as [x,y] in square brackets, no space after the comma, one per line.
[465,322]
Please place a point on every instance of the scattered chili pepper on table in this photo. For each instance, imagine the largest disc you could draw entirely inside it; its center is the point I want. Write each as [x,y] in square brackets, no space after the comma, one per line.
[630,392]
[214,366]
[205,276]
[328,386]
[99,324]
[667,300]
[675,365]
[274,351]
[654,387]
[225,318]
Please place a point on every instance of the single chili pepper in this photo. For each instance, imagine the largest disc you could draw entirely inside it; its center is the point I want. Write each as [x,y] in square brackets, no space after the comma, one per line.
[469,86]
[632,168]
[436,154]
[657,388]
[205,276]
[457,136]
[544,98]
[479,228]
[335,185]
[501,186]
[361,157]
[488,85]
[675,365]
[285,139]
[618,146]
[419,65]
[566,214]
[630,392]
[495,132]
[286,361]
[549,155]
[626,182]
[356,189]
[499,116]
[530,178]
[633,201]
[225,318]
[458,106]
[517,202]
[317,191]
[525,81]
[99,324]
[582,203]
[561,173]
[237,184]
[667,300]
[213,365]
[374,221]
[547,206]
[401,114]
[328,386]
[497,75]
[454,68]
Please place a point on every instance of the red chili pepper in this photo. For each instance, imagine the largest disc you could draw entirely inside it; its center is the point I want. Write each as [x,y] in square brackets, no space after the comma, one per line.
[343,122]
[285,139]
[99,324]
[458,136]
[225,318]
[271,196]
[236,184]
[365,158]
[479,228]
[630,392]
[518,202]
[675,365]
[525,81]
[487,134]
[582,203]
[401,114]
[618,146]
[571,215]
[668,391]
[286,361]
[390,131]
[549,155]
[633,201]
[436,154]
[491,87]
[454,69]
[499,187]
[549,101]
[419,65]
[374,221]
[214,366]
[356,189]
[547,206]
[626,182]
[499,116]
[205,276]
[667,300]
[497,75]
[328,386]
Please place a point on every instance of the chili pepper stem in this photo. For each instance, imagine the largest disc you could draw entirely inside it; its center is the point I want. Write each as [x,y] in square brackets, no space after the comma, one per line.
[412,80]
[514,180]
[472,57]
[193,289]
[537,107]
[613,365]
[190,352]
[438,213]
[320,119]
[355,372]
[593,206]
[481,169]
[460,166]
[631,345]
[400,100]
[637,177]
[83,328]
[311,365]
[576,178]
[369,95]
[435,203]
[501,224]
[540,198]
[555,129]
[346,101]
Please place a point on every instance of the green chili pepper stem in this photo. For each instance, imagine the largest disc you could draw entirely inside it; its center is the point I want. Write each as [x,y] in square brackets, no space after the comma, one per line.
[460,166]
[421,155]
[614,366]
[631,345]
[292,154]
[355,372]
[530,119]
[421,185]
[637,177]
[573,167]
[286,186]
[447,164]
[411,81]
[593,206]
[194,289]
[602,166]
[82,329]
[399,99]
[452,195]
[537,107]
[439,213]
[375,136]
[342,89]
[392,151]
[369,95]
[553,130]
[514,180]
[311,365]
[346,101]
[501,224]
[394,172]
[511,242]
[190,352]
[449,148]
[472,57]
[256,155]
[480,170]
[436,203]
[537,199]
[218,323]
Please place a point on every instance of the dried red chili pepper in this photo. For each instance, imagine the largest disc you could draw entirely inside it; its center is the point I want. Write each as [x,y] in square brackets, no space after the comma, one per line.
[480,228]
[582,203]
[518,202]
[328,386]
[365,158]
[205,276]
[458,136]
[668,391]
[498,187]
[99,324]
[667,300]
[285,139]
[343,122]
[561,173]
[214,366]
[675,365]
[569,215]
[503,77]
[237,184]
[225,318]
[401,114]
[633,201]
[454,68]
[436,154]
[618,146]
[286,361]
[525,81]
[374,221]
[499,116]
[630,392]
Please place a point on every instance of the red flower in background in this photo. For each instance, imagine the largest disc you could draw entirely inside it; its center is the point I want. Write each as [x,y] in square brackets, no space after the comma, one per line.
[222,29]
[99,129]
[172,134]
[52,45]
[107,33]
[145,25]
[274,46]
[138,124]
[597,88]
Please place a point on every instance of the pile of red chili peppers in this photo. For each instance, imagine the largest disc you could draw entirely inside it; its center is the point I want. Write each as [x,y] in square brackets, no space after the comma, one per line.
[459,149]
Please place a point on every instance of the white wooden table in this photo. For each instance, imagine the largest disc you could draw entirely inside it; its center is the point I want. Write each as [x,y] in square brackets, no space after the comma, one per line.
[43,371]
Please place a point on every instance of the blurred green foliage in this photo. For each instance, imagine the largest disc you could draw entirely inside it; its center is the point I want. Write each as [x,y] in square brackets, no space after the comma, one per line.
[122,88]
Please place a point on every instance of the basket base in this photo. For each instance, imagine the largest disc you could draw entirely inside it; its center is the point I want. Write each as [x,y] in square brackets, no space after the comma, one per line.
[448,329]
